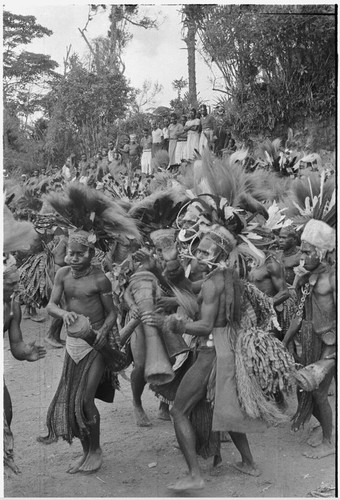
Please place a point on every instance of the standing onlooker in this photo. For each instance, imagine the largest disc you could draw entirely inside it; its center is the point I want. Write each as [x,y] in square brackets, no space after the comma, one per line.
[83,165]
[175,129]
[193,140]
[83,168]
[146,144]
[165,131]
[125,150]
[102,165]
[207,124]
[111,151]
[157,137]
[181,146]
[221,133]
[134,152]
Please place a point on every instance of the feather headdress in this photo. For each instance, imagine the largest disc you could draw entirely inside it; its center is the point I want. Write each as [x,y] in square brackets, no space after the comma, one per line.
[222,196]
[312,197]
[160,209]
[84,208]
[17,235]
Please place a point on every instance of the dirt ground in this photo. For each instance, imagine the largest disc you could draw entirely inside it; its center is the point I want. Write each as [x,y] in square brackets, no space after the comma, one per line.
[139,462]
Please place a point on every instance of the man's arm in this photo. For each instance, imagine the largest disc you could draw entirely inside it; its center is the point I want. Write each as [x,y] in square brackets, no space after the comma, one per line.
[53,308]
[105,291]
[19,348]
[208,312]
[277,276]
[333,285]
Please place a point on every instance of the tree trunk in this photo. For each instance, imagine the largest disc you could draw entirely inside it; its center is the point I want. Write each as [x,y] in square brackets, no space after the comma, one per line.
[191,42]
[113,39]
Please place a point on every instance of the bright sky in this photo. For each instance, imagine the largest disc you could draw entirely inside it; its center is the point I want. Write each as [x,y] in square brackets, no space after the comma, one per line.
[156,55]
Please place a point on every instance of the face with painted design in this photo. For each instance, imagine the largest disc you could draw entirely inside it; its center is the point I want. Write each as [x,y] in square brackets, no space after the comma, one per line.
[310,256]
[207,252]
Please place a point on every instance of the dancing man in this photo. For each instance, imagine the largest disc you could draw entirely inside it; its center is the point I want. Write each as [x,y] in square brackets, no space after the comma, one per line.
[87,291]
[218,321]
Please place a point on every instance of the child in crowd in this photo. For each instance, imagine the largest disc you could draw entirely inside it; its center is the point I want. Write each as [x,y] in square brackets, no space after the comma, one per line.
[146,145]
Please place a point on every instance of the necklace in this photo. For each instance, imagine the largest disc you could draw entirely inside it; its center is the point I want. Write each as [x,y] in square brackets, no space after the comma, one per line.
[81,274]
[290,252]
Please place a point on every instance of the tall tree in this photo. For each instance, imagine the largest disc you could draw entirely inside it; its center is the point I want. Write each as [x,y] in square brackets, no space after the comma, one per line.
[22,68]
[192,17]
[120,16]
[26,76]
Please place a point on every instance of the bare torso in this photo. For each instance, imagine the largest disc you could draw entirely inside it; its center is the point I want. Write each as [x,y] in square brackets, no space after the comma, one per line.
[289,262]
[324,307]
[82,295]
[261,278]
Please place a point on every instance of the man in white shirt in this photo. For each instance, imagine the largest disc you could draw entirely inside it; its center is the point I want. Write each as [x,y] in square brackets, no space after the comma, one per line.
[157,138]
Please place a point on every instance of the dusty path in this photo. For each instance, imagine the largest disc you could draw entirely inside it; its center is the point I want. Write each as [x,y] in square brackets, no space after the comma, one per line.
[139,462]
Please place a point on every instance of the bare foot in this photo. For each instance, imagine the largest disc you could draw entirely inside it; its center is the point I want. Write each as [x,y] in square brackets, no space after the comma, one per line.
[75,467]
[163,412]
[54,343]
[10,468]
[217,462]
[315,438]
[188,483]
[141,417]
[93,462]
[251,470]
[46,439]
[38,319]
[331,389]
[323,450]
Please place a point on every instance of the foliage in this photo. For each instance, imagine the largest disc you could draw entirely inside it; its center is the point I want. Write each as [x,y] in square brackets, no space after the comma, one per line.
[120,16]
[83,107]
[278,61]
[21,68]
[146,96]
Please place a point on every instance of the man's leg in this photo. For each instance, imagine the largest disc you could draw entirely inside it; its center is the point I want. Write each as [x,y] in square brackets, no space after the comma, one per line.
[94,457]
[190,391]
[247,466]
[163,411]
[323,413]
[137,377]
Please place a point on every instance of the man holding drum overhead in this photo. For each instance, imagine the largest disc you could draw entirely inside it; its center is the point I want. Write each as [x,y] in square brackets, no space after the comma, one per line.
[87,291]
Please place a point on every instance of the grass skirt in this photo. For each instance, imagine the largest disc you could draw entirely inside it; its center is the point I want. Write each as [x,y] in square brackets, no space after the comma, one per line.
[65,416]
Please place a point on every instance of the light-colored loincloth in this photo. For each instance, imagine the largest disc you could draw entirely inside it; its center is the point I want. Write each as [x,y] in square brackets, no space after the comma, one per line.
[78,348]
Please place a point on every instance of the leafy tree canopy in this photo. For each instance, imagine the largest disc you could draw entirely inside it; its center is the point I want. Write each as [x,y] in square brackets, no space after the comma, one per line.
[278,61]
[20,67]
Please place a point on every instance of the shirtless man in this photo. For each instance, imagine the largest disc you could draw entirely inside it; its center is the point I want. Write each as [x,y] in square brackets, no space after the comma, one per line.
[270,279]
[291,255]
[213,330]
[317,328]
[20,350]
[87,291]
